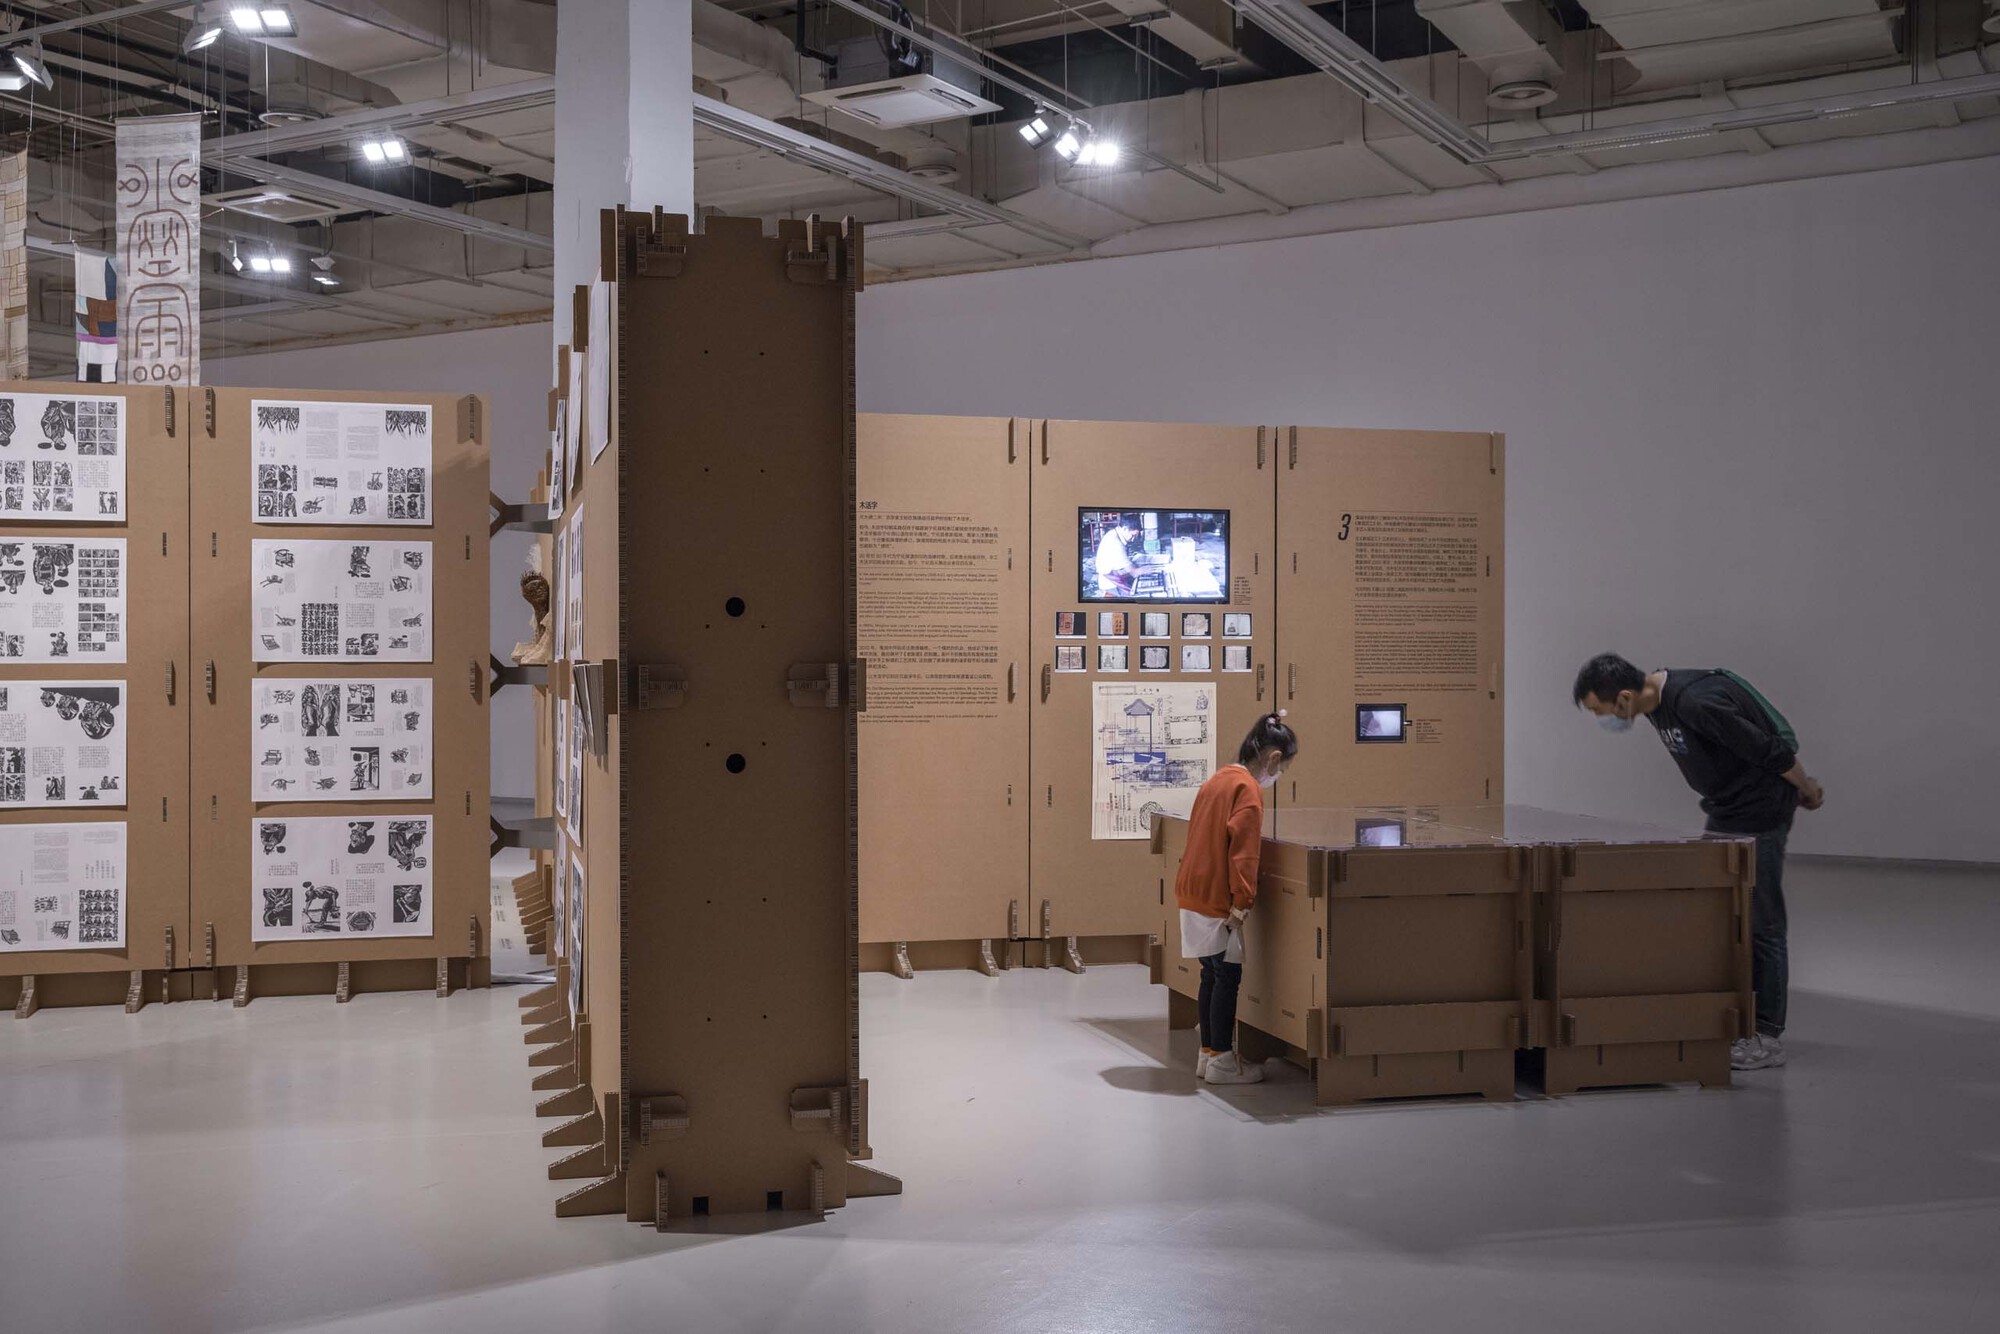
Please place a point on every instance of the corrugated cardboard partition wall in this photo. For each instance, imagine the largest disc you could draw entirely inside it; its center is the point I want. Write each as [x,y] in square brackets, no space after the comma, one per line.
[454,954]
[1370,565]
[158,688]
[719,1028]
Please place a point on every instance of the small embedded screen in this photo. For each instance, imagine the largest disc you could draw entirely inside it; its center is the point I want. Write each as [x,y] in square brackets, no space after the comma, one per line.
[1378,722]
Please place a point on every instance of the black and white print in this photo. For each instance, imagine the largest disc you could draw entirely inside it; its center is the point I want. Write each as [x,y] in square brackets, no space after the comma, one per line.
[348,463]
[341,740]
[579,904]
[62,458]
[62,886]
[62,599]
[341,875]
[573,589]
[573,769]
[314,601]
[61,744]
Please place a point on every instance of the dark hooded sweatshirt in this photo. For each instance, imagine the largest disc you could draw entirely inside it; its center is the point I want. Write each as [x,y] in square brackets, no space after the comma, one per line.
[1731,747]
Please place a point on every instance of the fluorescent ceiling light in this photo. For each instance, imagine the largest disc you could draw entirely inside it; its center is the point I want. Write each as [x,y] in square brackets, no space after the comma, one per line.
[28,60]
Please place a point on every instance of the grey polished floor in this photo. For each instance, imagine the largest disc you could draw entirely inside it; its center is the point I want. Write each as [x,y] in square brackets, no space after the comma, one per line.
[375,1166]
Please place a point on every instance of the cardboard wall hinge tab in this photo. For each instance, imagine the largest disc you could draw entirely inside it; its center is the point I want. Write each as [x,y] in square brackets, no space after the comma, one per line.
[659,686]
[208,411]
[135,991]
[660,258]
[242,996]
[662,1116]
[1048,918]
[1336,867]
[343,989]
[1014,919]
[661,1195]
[173,426]
[208,944]
[170,949]
[819,1109]
[170,681]
[472,938]
[468,419]
[443,977]
[1294,447]
[208,679]
[818,1188]
[1260,448]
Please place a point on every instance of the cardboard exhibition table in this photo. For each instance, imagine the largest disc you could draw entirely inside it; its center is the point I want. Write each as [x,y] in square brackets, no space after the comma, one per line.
[1413,951]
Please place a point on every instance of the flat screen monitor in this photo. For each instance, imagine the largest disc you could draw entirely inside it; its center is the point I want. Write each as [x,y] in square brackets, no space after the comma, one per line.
[1378,833]
[1136,555]
[1378,723]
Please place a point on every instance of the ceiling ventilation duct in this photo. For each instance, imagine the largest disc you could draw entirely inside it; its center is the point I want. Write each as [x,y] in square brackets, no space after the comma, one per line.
[889,80]
[1508,41]
[274,204]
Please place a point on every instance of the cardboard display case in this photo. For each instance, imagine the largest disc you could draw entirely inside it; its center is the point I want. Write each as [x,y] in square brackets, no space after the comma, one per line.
[1403,952]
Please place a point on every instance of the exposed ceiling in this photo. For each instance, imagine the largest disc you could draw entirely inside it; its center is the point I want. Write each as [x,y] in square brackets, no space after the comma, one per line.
[1262,119]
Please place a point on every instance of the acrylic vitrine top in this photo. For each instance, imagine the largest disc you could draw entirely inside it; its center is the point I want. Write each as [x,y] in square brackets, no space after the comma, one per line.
[1331,828]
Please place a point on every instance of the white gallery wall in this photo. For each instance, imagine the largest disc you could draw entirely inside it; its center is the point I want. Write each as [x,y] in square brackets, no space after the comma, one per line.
[513,366]
[1754,428]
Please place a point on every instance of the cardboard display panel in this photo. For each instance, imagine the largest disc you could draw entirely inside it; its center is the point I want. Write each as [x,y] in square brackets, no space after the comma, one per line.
[156,684]
[942,575]
[1645,968]
[1101,759]
[1391,580]
[222,481]
[718,1012]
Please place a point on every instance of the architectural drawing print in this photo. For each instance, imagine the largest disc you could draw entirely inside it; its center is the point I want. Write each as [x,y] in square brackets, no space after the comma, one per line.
[1151,742]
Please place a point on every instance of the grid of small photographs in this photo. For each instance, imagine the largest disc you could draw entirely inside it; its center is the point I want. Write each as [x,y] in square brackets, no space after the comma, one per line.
[1152,657]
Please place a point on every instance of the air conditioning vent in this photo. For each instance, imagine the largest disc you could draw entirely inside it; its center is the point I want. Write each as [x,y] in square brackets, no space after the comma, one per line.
[275,205]
[916,99]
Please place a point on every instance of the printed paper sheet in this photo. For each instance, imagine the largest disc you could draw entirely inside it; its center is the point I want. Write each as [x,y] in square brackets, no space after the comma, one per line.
[573,587]
[352,739]
[62,458]
[573,424]
[559,595]
[603,299]
[1149,740]
[62,599]
[325,876]
[62,887]
[159,248]
[349,463]
[345,601]
[62,743]
[573,770]
[579,898]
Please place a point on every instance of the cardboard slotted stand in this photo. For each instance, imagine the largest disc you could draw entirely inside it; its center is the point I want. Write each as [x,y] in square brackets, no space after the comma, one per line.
[225,897]
[157,688]
[714,1060]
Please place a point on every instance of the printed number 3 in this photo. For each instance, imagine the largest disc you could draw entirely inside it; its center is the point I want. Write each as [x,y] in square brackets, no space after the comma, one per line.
[1346,522]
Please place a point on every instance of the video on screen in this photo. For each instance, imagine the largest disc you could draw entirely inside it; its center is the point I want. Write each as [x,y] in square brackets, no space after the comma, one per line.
[1130,555]
[1378,833]
[1378,722]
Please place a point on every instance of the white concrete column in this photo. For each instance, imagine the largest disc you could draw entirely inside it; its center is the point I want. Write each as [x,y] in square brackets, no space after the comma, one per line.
[624,123]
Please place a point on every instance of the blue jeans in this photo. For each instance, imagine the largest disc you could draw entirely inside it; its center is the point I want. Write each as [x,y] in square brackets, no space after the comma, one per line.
[1217,1003]
[1770,961]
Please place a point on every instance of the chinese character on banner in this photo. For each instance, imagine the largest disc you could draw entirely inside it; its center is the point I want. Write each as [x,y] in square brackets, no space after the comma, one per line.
[159,249]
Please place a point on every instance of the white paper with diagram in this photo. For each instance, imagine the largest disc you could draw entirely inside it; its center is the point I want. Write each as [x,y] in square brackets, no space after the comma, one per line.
[62,458]
[62,743]
[62,886]
[346,739]
[1152,747]
[62,599]
[340,601]
[345,463]
[320,877]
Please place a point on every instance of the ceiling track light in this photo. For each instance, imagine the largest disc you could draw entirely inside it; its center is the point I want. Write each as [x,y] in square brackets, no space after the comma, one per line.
[264,20]
[235,256]
[1037,131]
[28,62]
[387,151]
[203,32]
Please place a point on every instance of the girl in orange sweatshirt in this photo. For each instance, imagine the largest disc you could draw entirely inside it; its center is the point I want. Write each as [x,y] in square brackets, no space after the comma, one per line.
[1217,885]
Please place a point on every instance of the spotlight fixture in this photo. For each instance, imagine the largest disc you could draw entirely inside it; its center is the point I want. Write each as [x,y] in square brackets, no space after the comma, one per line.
[12,80]
[1068,146]
[203,32]
[260,263]
[1992,23]
[264,20]
[28,61]
[323,273]
[389,150]
[1099,153]
[279,264]
[235,256]
[1037,132]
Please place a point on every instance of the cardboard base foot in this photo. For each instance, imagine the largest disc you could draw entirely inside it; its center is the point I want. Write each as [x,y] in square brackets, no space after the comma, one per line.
[987,964]
[900,962]
[557,1080]
[559,1054]
[1568,1070]
[588,1161]
[864,1182]
[1072,958]
[570,1102]
[584,1130]
[1182,1012]
[27,1004]
[543,1016]
[135,992]
[1343,1080]
[599,1197]
[540,1037]
[543,996]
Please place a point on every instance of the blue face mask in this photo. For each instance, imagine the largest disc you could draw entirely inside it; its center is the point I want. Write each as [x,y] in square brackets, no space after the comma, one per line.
[1612,723]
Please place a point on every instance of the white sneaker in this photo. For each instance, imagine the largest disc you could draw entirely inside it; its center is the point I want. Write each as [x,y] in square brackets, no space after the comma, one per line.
[1201,1062]
[1226,1067]
[1756,1053]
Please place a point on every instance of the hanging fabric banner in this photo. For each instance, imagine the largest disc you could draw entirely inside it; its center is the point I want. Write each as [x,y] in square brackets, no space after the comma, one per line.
[96,318]
[159,249]
[14,265]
